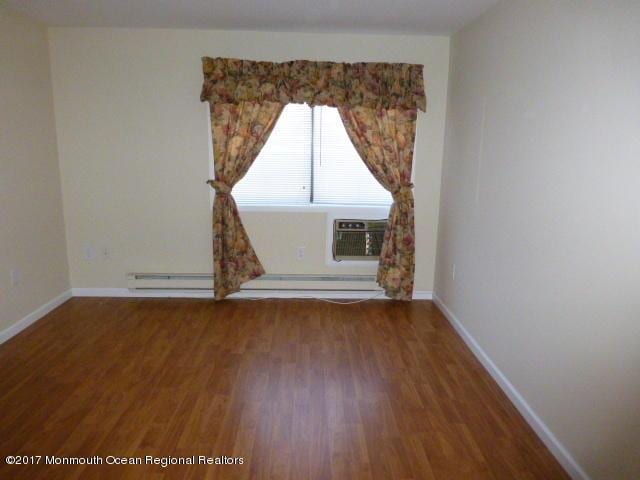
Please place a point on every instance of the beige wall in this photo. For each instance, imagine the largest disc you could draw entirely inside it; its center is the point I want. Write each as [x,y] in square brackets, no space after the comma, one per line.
[540,214]
[31,225]
[133,141]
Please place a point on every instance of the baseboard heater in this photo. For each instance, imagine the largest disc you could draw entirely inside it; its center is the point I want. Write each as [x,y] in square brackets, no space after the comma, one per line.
[287,282]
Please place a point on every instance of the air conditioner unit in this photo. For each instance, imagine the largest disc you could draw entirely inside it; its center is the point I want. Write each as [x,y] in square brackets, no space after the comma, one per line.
[357,239]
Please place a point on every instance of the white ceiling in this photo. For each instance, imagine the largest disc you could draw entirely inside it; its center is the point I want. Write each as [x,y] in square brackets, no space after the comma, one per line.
[372,16]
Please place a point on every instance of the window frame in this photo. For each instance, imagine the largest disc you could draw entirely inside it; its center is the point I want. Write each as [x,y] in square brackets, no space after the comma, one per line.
[356,209]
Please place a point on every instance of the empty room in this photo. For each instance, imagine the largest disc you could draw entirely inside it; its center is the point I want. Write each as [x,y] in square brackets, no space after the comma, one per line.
[291,240]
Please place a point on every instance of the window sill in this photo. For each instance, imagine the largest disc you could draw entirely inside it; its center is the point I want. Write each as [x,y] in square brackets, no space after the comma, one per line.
[317,208]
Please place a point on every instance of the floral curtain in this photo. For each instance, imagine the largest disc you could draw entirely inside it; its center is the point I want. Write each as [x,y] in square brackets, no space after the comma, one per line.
[378,104]
[239,133]
[384,139]
[373,85]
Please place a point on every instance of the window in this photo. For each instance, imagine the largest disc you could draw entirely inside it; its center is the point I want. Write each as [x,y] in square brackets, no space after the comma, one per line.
[307,160]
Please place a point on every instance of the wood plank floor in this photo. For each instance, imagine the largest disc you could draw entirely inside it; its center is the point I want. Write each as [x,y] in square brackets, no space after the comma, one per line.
[301,389]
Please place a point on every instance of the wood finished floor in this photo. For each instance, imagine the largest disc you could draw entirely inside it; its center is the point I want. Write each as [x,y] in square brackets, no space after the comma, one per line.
[301,389]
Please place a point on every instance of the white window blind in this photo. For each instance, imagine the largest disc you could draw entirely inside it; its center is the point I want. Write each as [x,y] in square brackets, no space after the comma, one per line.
[309,159]
[281,175]
[340,176]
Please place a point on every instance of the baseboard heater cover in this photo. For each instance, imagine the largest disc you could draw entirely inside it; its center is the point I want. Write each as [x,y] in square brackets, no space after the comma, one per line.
[203,282]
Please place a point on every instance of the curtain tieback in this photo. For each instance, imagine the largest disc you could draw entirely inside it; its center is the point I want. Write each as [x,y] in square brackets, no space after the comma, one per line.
[402,193]
[221,188]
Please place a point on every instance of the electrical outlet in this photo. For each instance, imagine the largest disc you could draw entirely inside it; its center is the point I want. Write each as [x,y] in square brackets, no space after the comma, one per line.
[300,251]
[106,253]
[14,276]
[89,253]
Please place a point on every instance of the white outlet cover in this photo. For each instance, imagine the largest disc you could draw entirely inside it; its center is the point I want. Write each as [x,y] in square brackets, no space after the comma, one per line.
[89,252]
[14,275]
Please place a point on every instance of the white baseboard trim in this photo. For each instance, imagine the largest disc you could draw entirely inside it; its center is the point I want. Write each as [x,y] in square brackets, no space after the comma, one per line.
[126,292]
[422,295]
[34,316]
[558,450]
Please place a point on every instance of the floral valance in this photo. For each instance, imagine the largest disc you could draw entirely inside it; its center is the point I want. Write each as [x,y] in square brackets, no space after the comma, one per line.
[372,85]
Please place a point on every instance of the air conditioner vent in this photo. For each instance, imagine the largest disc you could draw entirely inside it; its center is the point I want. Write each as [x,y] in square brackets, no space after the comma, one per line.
[357,239]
